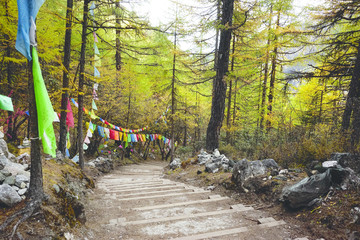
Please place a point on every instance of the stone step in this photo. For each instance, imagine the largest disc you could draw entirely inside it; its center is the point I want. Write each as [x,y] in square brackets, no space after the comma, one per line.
[147,188]
[162,196]
[231,231]
[210,200]
[149,193]
[240,208]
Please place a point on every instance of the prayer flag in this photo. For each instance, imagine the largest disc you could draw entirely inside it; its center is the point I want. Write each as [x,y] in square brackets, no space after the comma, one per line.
[69,116]
[94,105]
[27,9]
[6,103]
[44,108]
[95,37]
[96,73]
[96,49]
[92,115]
[87,140]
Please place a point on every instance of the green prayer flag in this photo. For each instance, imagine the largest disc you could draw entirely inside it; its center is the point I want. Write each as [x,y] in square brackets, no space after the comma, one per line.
[94,105]
[6,103]
[44,108]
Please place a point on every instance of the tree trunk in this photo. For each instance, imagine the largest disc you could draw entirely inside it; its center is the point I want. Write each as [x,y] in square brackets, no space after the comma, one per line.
[219,91]
[354,92]
[185,124]
[272,76]
[65,94]
[228,115]
[234,107]
[216,58]
[173,103]
[266,72]
[36,191]
[81,84]
[117,32]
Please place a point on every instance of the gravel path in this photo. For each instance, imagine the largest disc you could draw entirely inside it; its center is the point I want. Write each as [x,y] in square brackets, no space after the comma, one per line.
[135,202]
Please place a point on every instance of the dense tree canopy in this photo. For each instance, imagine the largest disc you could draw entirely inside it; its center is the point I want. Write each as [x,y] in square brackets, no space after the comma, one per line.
[290,86]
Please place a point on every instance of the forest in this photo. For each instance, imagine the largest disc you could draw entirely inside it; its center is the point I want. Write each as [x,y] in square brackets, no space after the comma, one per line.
[256,79]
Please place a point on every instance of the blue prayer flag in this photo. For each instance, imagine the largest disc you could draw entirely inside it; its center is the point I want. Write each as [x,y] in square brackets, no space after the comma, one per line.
[26,10]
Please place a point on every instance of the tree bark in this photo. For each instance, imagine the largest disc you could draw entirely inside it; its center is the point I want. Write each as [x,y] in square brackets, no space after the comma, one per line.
[354,92]
[65,94]
[172,144]
[228,115]
[219,91]
[81,84]
[117,32]
[266,72]
[272,76]
[36,190]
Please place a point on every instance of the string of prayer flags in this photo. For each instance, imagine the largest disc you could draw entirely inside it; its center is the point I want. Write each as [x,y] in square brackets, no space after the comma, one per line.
[44,108]
[27,10]
[6,103]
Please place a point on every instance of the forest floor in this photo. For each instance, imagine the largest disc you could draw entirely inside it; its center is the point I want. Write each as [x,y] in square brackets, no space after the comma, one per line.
[332,219]
[59,217]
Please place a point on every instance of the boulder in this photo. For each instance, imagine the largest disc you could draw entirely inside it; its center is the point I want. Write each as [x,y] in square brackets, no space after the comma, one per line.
[304,192]
[104,165]
[3,161]
[2,178]
[19,179]
[212,167]
[4,148]
[17,168]
[8,195]
[9,180]
[5,172]
[347,160]
[204,157]
[176,163]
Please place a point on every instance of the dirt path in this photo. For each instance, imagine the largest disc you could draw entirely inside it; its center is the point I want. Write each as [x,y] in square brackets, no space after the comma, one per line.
[135,202]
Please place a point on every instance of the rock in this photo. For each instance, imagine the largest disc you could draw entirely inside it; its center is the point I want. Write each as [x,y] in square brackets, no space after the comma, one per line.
[3,161]
[284,171]
[204,157]
[16,168]
[176,163]
[22,191]
[245,169]
[1,135]
[15,188]
[329,164]
[270,163]
[6,173]
[23,158]
[210,188]
[56,188]
[22,185]
[91,164]
[9,180]
[212,167]
[4,148]
[2,178]
[303,192]
[8,195]
[21,180]
[347,160]
[280,177]
[216,153]
[104,165]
